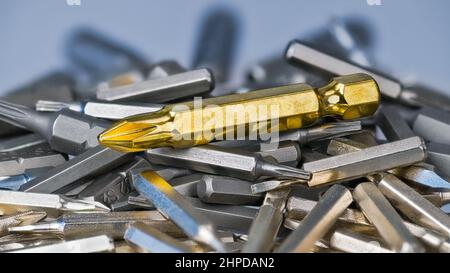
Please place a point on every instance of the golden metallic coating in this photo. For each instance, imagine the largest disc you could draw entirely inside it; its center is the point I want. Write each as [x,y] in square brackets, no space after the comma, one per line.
[249,114]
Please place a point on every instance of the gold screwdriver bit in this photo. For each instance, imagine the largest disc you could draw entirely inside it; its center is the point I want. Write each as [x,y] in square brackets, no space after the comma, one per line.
[246,115]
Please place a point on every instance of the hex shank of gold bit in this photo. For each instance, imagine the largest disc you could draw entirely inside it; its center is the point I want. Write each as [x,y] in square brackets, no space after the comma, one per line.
[386,220]
[358,164]
[412,204]
[318,221]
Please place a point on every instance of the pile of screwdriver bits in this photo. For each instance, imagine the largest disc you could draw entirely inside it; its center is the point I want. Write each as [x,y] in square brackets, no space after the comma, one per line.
[90,163]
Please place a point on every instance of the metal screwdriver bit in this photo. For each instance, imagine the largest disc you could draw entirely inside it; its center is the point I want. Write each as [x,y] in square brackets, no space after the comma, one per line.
[111,111]
[267,223]
[165,68]
[176,208]
[15,182]
[286,152]
[439,156]
[227,191]
[186,185]
[299,105]
[66,131]
[416,173]
[384,217]
[438,199]
[324,131]
[431,120]
[53,204]
[153,240]
[186,84]
[112,224]
[92,162]
[393,125]
[20,219]
[430,238]
[348,166]
[86,245]
[39,156]
[216,43]
[298,52]
[412,204]
[101,56]
[318,221]
[20,241]
[223,161]
[21,142]
[352,242]
[113,185]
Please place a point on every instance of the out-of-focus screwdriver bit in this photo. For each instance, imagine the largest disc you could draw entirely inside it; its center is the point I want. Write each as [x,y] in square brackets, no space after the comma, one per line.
[438,199]
[298,52]
[102,57]
[216,43]
[186,84]
[298,105]
[94,161]
[15,182]
[384,217]
[439,156]
[20,241]
[324,131]
[21,142]
[53,204]
[86,245]
[113,224]
[176,208]
[226,190]
[429,121]
[223,161]
[392,124]
[318,221]
[358,164]
[412,204]
[416,173]
[153,240]
[430,238]
[66,131]
[19,161]
[352,242]
[112,111]
[267,223]
[20,219]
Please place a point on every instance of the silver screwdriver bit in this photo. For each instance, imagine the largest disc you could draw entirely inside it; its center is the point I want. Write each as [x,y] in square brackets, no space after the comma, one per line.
[298,52]
[111,186]
[112,224]
[353,242]
[223,161]
[389,224]
[176,208]
[430,238]
[227,191]
[318,221]
[322,132]
[186,185]
[86,245]
[412,204]
[66,131]
[15,182]
[165,89]
[20,241]
[39,156]
[53,204]
[165,68]
[21,142]
[267,223]
[111,111]
[393,125]
[429,121]
[20,219]
[438,198]
[286,152]
[345,167]
[417,173]
[92,162]
[152,240]
[439,156]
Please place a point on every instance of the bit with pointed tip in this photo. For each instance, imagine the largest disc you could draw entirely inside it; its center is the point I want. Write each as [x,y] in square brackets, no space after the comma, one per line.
[173,205]
[55,106]
[276,109]
[53,204]
[225,161]
[20,219]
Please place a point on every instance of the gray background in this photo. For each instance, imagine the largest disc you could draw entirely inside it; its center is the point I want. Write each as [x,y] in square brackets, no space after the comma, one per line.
[412,36]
